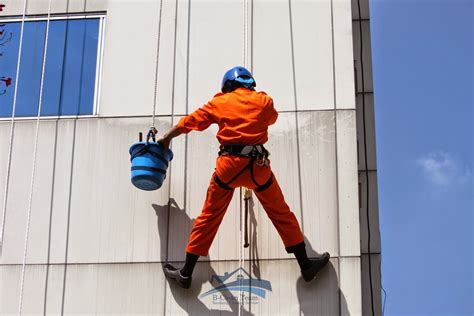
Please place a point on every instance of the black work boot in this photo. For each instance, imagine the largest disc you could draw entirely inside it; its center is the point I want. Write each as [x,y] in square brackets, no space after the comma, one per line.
[316,266]
[173,273]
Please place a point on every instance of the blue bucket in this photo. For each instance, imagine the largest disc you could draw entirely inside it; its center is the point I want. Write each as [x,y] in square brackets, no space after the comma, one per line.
[149,164]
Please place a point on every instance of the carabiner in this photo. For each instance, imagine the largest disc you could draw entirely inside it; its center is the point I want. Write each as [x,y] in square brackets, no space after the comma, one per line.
[152,134]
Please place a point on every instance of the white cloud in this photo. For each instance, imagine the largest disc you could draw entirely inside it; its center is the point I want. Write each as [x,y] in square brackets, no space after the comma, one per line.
[444,170]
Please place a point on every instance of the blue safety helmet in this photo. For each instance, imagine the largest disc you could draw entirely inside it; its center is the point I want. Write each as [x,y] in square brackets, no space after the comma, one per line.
[235,77]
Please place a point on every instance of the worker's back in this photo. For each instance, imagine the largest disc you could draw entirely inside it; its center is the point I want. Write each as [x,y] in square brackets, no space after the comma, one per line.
[243,116]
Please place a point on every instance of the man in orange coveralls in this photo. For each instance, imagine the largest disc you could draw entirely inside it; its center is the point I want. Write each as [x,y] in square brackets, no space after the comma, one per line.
[243,116]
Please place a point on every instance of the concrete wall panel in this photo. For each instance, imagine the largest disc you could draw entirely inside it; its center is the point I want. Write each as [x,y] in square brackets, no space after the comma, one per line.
[165,104]
[110,220]
[128,74]
[350,277]
[181,66]
[89,289]
[76,5]
[4,144]
[53,288]
[174,213]
[12,7]
[103,5]
[289,294]
[318,180]
[343,55]
[15,7]
[19,192]
[33,290]
[312,43]
[56,229]
[87,209]
[347,183]
[212,51]
[114,289]
[272,37]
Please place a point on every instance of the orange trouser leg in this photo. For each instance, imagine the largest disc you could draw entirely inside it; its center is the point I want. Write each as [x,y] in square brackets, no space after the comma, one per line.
[280,214]
[207,223]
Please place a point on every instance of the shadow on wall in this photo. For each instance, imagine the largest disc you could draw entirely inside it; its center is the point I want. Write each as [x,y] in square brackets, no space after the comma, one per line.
[305,291]
[325,280]
[253,234]
[189,300]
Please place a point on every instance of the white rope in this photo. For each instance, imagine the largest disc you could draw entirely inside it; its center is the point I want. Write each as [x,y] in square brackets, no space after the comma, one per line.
[156,66]
[12,123]
[242,191]
[241,252]
[35,151]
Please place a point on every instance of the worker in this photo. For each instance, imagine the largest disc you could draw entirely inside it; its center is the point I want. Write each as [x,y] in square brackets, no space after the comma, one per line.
[243,116]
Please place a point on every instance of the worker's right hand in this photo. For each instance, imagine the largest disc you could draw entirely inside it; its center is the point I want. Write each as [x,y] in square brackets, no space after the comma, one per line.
[169,135]
[165,142]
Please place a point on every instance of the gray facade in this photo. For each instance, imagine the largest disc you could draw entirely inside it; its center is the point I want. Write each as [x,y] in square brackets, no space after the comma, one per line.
[96,243]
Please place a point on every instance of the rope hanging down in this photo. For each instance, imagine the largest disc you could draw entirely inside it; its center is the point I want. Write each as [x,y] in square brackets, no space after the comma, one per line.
[155,94]
[245,193]
[35,151]
[12,123]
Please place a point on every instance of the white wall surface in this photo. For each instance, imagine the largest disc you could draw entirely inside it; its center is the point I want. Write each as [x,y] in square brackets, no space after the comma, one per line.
[141,289]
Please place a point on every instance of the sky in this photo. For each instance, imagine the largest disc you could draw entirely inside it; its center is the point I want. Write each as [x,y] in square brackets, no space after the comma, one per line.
[422,53]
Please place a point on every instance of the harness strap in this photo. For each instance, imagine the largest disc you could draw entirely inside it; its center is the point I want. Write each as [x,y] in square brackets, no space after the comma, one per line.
[156,155]
[266,185]
[243,150]
[242,171]
[225,185]
[249,166]
[221,183]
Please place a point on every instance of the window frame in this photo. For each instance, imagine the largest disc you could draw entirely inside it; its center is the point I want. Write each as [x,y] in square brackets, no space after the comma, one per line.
[99,61]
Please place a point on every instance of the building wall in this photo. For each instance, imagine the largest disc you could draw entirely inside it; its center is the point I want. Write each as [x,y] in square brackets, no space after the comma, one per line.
[96,243]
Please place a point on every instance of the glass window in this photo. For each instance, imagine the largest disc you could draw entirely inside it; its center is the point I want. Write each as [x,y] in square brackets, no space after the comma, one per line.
[69,86]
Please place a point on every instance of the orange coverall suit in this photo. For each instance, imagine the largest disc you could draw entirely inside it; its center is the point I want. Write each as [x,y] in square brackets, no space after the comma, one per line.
[243,117]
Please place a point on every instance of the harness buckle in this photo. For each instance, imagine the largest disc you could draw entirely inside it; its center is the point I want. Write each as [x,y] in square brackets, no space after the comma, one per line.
[262,161]
[247,150]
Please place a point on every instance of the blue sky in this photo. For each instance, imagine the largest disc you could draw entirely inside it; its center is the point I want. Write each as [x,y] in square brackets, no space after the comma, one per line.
[423,81]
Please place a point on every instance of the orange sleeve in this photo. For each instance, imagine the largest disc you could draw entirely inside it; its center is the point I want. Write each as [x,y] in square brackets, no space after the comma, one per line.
[199,120]
[272,114]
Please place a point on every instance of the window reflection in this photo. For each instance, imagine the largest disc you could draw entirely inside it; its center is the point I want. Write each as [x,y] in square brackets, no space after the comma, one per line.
[70,70]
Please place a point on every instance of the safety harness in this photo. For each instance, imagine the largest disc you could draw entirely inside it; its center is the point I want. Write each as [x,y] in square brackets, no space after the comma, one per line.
[256,153]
